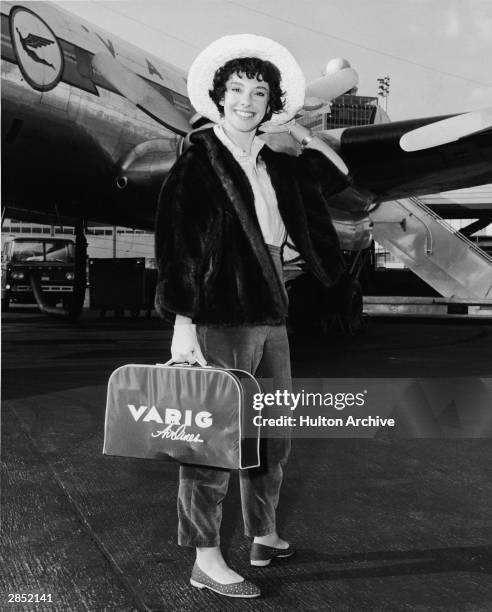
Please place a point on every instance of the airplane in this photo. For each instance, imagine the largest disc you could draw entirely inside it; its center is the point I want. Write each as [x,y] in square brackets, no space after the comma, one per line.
[91,125]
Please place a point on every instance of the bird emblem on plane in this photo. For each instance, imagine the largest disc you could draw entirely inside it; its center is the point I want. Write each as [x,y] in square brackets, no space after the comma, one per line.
[37,49]
[33,41]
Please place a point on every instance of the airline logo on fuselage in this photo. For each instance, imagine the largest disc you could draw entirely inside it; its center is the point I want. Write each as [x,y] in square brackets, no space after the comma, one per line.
[37,49]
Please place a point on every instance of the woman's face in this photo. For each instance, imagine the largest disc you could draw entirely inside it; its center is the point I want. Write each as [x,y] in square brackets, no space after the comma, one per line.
[245,103]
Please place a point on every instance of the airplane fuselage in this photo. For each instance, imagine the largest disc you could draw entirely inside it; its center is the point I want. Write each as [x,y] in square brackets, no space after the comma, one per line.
[75,147]
[63,145]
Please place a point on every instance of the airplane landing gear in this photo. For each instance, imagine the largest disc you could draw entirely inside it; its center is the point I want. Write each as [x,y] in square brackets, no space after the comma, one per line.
[80,280]
[353,322]
[318,311]
[345,314]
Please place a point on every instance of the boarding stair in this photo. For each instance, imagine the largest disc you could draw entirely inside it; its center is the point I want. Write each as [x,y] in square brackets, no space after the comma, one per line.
[429,246]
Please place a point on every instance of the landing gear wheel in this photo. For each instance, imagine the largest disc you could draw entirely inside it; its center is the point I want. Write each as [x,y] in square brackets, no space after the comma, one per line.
[351,315]
[343,309]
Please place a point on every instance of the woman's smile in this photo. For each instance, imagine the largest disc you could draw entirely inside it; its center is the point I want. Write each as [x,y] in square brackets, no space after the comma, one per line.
[245,105]
[245,114]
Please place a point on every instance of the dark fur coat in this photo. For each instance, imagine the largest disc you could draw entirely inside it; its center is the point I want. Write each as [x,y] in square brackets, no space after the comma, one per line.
[213,264]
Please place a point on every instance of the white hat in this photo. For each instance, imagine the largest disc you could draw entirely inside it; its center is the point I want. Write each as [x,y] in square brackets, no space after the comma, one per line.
[203,69]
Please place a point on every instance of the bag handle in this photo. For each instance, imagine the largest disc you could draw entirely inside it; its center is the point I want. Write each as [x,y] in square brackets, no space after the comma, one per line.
[182,363]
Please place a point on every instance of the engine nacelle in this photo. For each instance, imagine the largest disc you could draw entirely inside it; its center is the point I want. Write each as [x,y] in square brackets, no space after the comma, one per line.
[149,162]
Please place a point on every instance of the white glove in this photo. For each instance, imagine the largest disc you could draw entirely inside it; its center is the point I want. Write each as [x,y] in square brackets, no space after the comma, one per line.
[185,346]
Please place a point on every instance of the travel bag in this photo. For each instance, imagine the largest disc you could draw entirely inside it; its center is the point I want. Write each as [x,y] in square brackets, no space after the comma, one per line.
[193,414]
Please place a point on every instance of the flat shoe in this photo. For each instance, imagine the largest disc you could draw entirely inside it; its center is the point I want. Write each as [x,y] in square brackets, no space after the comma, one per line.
[244,588]
[262,555]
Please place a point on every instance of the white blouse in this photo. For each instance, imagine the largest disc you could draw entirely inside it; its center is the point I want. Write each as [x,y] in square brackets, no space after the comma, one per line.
[266,206]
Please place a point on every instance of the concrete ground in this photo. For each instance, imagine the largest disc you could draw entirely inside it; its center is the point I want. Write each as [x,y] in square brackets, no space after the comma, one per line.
[379,525]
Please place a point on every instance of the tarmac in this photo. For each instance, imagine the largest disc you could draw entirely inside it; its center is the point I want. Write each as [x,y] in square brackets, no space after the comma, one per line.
[380,525]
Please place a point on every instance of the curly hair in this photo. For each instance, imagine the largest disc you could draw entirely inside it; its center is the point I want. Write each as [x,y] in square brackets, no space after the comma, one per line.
[252,67]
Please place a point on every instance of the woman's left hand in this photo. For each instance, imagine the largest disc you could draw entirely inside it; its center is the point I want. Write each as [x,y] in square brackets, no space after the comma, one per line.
[278,129]
[304,137]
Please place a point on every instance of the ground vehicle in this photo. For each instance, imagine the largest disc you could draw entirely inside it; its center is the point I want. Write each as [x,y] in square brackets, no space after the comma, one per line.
[50,259]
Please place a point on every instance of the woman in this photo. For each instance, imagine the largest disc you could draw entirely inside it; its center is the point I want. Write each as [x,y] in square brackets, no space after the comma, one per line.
[224,213]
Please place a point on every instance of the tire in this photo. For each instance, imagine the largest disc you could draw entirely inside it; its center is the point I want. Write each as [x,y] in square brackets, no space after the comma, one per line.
[342,312]
[351,317]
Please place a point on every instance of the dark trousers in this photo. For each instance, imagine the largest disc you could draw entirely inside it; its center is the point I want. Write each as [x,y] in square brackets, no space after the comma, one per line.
[262,350]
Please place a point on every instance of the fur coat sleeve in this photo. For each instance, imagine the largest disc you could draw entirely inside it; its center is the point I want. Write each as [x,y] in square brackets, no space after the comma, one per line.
[183,233]
[319,181]
[304,186]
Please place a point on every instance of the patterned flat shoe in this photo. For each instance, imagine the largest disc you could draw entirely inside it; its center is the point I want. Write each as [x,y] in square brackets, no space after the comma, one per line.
[244,588]
[262,555]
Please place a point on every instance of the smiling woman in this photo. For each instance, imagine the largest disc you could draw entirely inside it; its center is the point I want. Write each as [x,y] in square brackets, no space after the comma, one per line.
[244,106]
[245,99]
[235,72]
[224,214]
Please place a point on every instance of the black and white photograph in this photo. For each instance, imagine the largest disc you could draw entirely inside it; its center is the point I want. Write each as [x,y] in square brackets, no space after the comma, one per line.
[246,305]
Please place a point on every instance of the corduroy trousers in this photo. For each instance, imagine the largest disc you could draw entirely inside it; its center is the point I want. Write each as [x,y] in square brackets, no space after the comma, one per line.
[262,350]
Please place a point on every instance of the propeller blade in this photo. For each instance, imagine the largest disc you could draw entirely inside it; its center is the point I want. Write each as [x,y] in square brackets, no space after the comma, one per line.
[139,92]
[447,130]
[332,85]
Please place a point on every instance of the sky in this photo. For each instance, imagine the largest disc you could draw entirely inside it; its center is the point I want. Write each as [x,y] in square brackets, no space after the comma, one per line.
[438,53]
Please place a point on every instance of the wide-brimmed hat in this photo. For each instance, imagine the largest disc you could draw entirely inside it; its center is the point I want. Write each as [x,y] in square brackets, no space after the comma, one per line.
[203,69]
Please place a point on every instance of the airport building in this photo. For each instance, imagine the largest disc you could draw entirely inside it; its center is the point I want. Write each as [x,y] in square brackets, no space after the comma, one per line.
[103,241]
[348,110]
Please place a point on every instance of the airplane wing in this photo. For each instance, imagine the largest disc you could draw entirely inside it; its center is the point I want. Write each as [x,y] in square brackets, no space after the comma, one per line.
[379,165]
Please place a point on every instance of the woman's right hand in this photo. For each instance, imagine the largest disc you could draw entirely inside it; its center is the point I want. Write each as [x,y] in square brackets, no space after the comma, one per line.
[185,346]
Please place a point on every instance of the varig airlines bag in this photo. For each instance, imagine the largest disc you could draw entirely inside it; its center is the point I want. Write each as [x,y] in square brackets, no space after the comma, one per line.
[198,415]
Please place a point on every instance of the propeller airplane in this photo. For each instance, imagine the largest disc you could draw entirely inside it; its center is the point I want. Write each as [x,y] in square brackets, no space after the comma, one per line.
[91,126]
